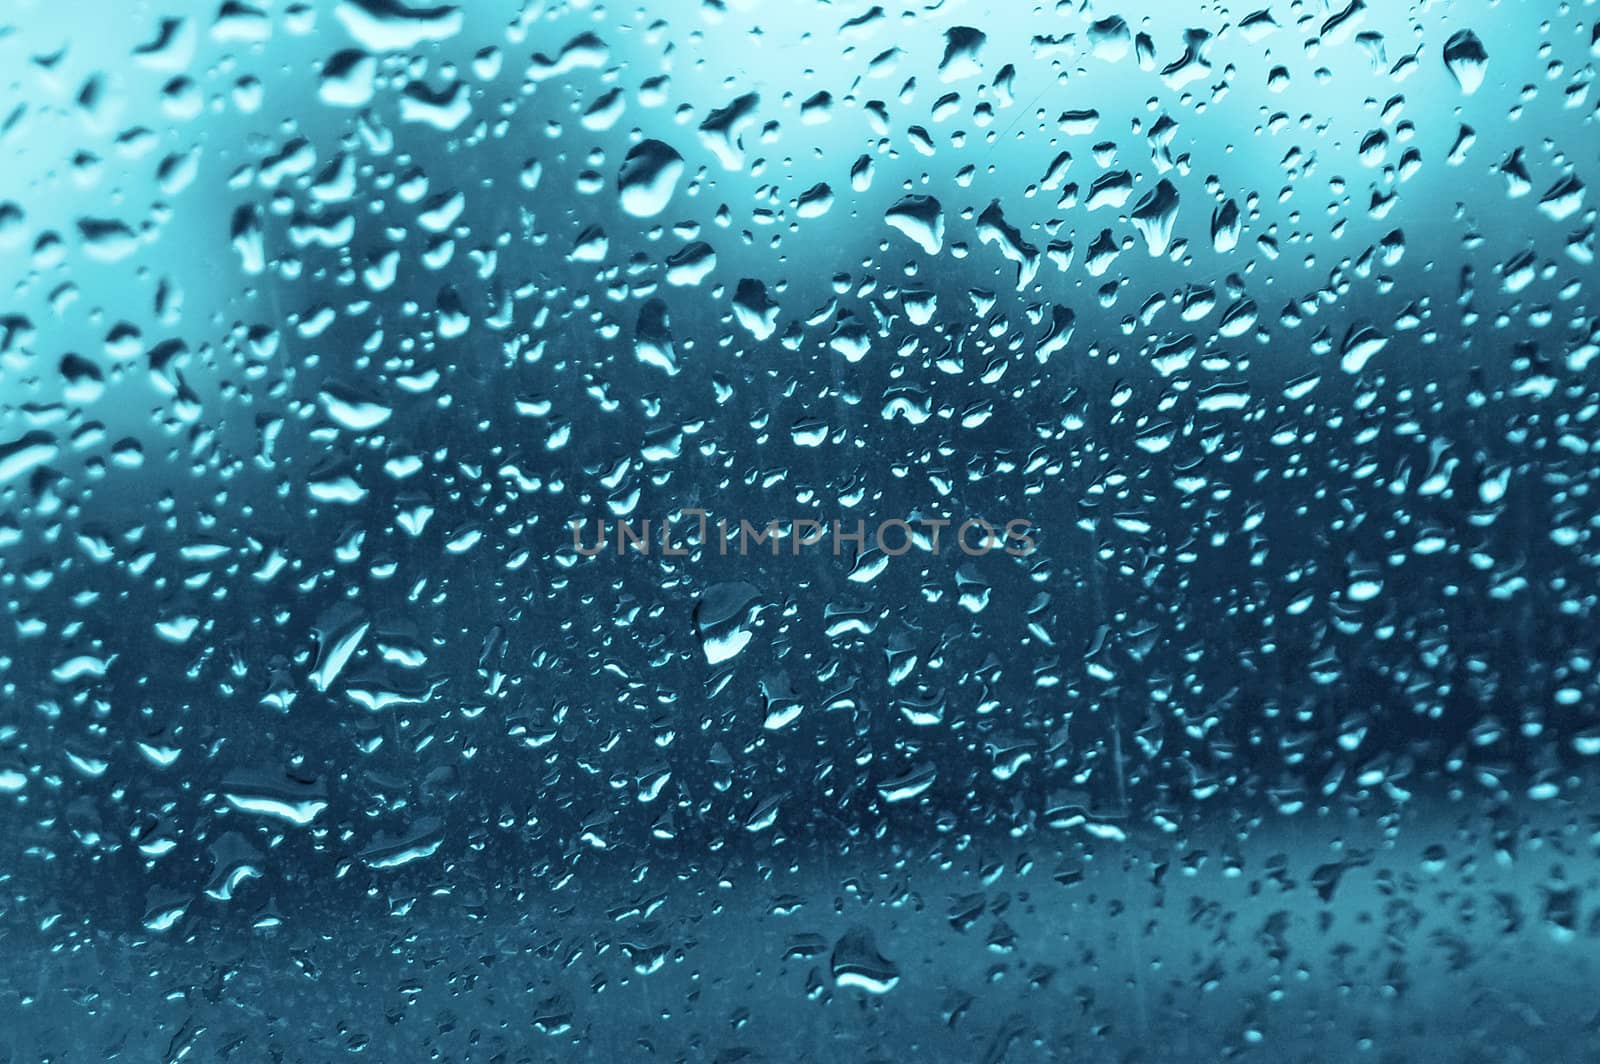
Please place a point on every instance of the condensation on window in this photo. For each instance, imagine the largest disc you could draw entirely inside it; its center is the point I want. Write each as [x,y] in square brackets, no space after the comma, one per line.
[718,530]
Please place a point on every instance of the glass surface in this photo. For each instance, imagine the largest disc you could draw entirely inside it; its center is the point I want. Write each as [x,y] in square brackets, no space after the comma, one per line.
[717,530]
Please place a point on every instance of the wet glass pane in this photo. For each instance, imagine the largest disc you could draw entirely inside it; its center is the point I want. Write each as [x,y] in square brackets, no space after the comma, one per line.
[733,530]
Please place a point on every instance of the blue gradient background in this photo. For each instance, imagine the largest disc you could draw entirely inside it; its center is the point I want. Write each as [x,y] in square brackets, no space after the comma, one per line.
[1258,810]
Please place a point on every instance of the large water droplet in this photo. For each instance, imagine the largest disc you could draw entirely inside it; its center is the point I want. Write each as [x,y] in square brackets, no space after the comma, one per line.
[648,178]
[1464,54]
